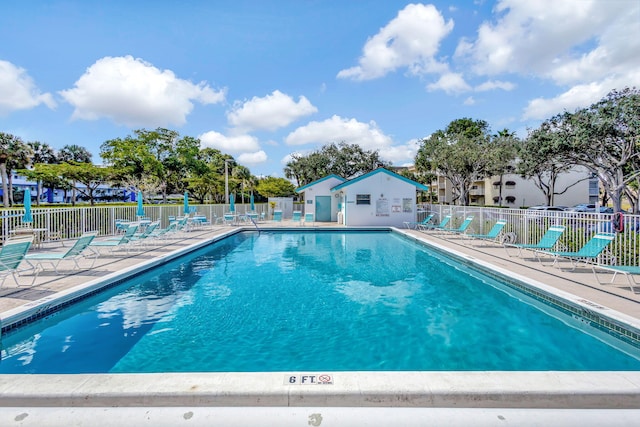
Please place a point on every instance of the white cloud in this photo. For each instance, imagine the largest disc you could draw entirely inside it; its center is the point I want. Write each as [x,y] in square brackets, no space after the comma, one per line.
[135,93]
[548,38]
[270,112]
[230,144]
[18,91]
[400,154]
[337,129]
[253,158]
[495,84]
[367,135]
[469,101]
[450,83]
[578,96]
[583,46]
[410,40]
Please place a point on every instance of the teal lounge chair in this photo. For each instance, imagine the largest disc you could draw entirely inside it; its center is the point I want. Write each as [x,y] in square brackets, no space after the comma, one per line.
[297,217]
[164,233]
[144,237]
[115,243]
[308,218]
[414,225]
[493,234]
[441,226]
[277,216]
[588,253]
[462,228]
[79,250]
[547,242]
[12,254]
[229,218]
[629,271]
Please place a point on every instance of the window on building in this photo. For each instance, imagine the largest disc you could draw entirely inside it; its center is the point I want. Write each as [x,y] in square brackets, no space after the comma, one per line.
[510,199]
[510,184]
[363,199]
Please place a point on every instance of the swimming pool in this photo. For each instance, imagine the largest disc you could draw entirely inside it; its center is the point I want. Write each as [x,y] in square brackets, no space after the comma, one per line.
[306,301]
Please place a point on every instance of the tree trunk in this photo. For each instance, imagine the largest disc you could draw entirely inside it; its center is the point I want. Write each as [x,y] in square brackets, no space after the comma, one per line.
[10,179]
[5,187]
[38,192]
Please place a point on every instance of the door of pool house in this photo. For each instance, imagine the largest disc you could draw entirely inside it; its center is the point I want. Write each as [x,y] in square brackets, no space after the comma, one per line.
[323,208]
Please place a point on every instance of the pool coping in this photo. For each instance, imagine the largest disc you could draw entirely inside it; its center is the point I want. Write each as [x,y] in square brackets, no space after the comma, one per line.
[470,389]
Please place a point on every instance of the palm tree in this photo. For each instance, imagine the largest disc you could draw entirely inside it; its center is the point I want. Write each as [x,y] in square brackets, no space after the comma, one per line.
[20,155]
[244,175]
[74,153]
[41,153]
[12,151]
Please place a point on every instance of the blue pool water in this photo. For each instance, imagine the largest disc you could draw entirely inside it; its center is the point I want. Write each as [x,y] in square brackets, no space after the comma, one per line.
[309,301]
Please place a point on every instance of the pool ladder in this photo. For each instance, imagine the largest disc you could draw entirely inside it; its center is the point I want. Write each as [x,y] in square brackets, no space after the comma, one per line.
[256,224]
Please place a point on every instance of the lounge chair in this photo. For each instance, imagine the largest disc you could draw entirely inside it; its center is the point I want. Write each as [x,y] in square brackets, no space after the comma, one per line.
[587,253]
[547,242]
[164,233]
[79,250]
[145,236]
[414,225]
[462,228]
[119,242]
[308,218]
[493,234]
[629,271]
[182,224]
[441,226]
[229,218]
[297,217]
[12,254]
[277,216]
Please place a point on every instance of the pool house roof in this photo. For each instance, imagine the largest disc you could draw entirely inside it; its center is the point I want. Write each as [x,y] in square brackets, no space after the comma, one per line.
[318,181]
[377,171]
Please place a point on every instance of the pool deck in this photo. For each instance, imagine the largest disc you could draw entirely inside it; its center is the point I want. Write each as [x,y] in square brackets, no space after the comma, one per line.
[191,396]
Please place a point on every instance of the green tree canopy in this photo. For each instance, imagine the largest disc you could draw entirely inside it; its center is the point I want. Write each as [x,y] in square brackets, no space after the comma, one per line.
[345,160]
[462,153]
[275,187]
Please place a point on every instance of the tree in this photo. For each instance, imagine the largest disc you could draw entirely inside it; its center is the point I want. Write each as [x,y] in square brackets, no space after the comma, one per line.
[505,146]
[207,185]
[604,138]
[20,155]
[243,175]
[12,151]
[542,160]
[42,172]
[88,174]
[345,160]
[461,153]
[74,154]
[275,187]
[41,153]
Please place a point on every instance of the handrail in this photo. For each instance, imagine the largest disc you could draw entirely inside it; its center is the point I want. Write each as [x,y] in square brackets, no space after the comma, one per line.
[256,224]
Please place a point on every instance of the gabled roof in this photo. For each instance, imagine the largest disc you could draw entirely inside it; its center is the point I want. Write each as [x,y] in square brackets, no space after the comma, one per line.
[380,170]
[304,187]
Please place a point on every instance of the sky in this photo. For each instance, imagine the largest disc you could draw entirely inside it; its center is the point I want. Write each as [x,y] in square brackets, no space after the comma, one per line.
[261,79]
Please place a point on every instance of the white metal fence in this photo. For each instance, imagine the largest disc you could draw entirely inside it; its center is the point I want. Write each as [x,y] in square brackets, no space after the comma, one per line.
[523,226]
[71,222]
[528,226]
